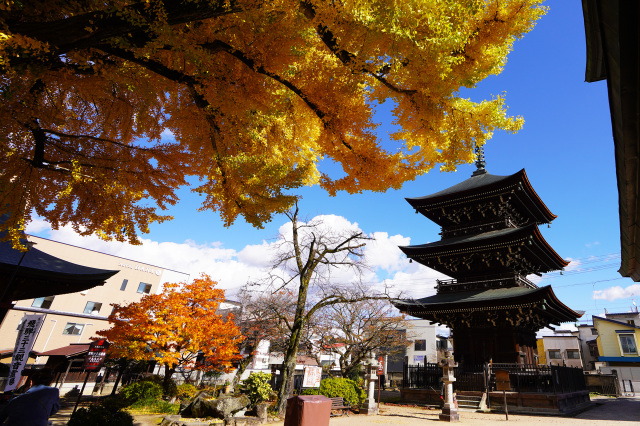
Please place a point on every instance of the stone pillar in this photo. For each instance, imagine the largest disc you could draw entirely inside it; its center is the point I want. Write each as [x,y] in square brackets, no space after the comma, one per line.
[370,407]
[449,411]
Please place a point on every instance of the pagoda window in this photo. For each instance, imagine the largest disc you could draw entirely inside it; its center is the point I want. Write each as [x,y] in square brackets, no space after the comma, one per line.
[554,354]
[628,344]
[420,345]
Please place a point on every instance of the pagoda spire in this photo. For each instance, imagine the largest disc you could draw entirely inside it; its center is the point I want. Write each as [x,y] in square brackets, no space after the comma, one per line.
[480,163]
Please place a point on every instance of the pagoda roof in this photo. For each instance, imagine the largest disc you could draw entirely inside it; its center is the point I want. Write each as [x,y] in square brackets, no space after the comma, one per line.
[545,256]
[490,300]
[482,186]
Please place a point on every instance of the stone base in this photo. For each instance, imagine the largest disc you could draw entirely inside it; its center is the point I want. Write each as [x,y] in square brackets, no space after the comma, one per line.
[449,415]
[370,408]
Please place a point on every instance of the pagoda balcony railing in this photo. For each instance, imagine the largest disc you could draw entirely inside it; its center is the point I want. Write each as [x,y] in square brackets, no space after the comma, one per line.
[452,285]
[526,378]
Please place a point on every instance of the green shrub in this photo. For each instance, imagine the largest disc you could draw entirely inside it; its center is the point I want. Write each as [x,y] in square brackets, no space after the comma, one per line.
[257,387]
[99,415]
[186,391]
[339,387]
[154,406]
[141,390]
[172,388]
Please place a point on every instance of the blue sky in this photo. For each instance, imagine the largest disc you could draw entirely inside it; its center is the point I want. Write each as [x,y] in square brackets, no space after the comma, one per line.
[566,147]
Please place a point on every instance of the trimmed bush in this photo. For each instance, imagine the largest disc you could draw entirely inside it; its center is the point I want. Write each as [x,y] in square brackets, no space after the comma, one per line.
[186,391]
[339,387]
[257,387]
[99,415]
[141,390]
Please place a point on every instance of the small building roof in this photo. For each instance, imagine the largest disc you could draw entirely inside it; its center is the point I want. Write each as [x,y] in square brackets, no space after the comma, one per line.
[70,351]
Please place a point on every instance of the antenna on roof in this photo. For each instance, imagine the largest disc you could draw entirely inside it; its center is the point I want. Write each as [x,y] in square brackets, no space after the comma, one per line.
[480,163]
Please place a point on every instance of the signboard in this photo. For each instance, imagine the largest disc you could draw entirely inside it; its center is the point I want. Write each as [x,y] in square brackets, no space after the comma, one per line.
[502,380]
[24,343]
[312,377]
[380,366]
[95,357]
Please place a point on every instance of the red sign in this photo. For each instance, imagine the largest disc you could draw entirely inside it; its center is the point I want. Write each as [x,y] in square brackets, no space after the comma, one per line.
[380,366]
[95,357]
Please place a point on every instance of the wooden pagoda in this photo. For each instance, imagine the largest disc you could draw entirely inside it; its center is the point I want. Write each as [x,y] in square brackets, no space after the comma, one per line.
[490,244]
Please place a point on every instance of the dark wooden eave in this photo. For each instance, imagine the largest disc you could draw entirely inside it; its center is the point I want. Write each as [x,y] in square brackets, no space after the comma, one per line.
[490,300]
[39,274]
[481,187]
[613,47]
[503,241]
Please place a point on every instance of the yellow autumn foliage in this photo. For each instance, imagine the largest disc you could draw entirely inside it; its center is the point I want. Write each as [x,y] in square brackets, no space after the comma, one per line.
[255,93]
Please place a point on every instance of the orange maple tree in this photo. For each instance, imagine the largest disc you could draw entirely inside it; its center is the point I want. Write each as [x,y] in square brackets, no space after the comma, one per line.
[176,328]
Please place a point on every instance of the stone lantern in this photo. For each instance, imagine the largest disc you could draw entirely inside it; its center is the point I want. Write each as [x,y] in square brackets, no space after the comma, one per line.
[370,407]
[449,411]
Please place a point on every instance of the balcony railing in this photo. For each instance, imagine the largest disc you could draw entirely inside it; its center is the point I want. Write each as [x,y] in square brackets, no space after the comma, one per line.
[452,285]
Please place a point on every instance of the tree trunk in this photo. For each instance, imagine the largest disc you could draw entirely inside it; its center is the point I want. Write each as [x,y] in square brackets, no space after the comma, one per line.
[289,368]
[242,367]
[290,359]
[168,373]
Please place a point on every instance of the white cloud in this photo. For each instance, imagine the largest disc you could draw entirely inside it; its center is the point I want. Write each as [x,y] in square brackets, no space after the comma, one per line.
[574,264]
[617,292]
[383,252]
[233,268]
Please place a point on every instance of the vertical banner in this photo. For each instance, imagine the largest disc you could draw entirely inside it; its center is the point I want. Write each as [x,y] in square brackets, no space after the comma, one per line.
[24,343]
[312,377]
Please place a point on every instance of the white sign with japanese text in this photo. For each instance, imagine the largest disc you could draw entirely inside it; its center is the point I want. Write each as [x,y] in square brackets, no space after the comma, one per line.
[29,329]
[312,377]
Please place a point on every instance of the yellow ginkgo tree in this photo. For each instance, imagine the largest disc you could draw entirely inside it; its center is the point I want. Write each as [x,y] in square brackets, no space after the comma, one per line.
[179,327]
[108,107]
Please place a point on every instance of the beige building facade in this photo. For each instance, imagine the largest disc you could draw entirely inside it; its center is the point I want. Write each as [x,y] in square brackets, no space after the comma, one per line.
[76,317]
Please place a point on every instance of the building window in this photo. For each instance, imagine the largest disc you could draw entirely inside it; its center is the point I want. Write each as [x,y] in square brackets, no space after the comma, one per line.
[631,322]
[554,354]
[42,302]
[628,344]
[594,331]
[73,329]
[573,354]
[593,350]
[144,288]
[124,285]
[420,345]
[92,308]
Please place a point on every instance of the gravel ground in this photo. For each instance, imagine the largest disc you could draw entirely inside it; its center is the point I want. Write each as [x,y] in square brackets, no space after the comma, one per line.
[605,411]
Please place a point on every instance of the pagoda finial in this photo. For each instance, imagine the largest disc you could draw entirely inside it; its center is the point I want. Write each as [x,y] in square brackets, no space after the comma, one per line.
[480,163]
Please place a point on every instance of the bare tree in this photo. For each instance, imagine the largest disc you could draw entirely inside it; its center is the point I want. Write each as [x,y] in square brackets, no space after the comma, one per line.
[353,330]
[302,280]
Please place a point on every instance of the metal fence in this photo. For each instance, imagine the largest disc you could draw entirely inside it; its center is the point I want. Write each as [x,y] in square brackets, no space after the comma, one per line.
[481,378]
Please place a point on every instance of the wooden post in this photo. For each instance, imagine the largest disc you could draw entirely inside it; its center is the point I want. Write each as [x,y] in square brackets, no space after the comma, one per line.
[81,391]
[506,412]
